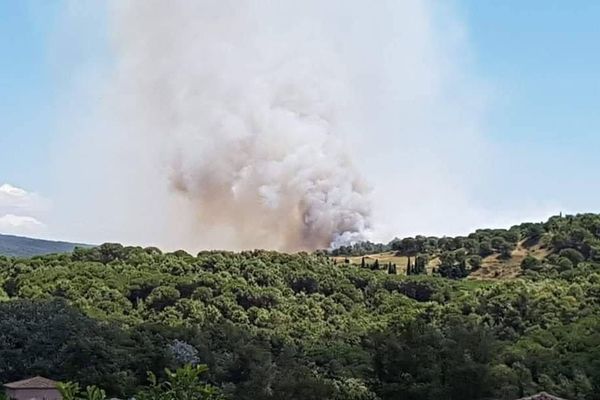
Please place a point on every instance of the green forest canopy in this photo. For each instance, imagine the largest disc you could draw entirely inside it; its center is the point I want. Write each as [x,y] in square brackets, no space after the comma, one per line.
[298,326]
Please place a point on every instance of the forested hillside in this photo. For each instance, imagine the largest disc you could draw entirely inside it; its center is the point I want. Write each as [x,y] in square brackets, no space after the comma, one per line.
[319,326]
[561,242]
[18,246]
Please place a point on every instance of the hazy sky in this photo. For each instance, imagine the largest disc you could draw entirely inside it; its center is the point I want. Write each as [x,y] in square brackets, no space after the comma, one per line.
[535,65]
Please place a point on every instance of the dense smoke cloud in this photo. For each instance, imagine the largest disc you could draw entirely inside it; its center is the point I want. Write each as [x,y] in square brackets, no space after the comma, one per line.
[250,118]
[274,124]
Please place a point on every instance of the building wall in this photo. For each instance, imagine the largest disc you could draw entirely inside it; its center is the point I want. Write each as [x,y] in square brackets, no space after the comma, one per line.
[33,394]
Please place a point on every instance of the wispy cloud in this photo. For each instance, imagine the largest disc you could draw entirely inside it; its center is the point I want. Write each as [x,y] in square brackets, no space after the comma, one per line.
[19,224]
[15,197]
[20,210]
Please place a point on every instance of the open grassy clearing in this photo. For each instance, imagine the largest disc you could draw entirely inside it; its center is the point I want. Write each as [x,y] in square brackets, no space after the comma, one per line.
[493,267]
[386,258]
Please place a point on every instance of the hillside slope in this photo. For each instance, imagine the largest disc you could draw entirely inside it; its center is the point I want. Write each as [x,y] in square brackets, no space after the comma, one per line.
[19,246]
[486,254]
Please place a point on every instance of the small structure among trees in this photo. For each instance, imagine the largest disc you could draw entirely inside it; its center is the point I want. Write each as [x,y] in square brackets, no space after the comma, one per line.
[542,396]
[36,388]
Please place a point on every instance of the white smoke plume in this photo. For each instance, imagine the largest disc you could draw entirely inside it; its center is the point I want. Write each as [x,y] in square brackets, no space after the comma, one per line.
[274,124]
[250,118]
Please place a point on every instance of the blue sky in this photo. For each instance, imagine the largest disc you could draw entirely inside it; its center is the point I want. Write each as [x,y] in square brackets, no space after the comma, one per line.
[540,60]
[34,80]
[28,92]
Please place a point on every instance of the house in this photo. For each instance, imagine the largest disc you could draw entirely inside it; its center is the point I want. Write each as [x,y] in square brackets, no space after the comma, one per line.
[36,388]
[542,396]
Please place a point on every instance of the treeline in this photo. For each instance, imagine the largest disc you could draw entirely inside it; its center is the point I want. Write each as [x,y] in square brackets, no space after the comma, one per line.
[568,240]
[562,232]
[483,242]
[295,326]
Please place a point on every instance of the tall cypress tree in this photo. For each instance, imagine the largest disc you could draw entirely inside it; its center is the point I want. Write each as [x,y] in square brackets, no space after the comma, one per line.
[392,269]
[376,265]
[420,264]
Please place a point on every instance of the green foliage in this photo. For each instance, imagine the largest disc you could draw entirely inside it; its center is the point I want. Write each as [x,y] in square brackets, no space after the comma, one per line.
[55,339]
[475,262]
[530,263]
[182,384]
[392,269]
[453,265]
[69,390]
[534,231]
[297,326]
[420,266]
[413,364]
[572,255]
[72,391]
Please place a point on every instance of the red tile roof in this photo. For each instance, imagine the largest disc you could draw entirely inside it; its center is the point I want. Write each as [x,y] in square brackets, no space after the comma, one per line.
[37,382]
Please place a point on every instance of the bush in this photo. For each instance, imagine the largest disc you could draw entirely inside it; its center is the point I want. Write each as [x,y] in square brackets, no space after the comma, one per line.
[530,263]
[475,262]
[162,297]
[573,255]
[565,264]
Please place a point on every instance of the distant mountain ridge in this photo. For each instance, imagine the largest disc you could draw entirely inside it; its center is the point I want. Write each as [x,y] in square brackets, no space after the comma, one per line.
[20,246]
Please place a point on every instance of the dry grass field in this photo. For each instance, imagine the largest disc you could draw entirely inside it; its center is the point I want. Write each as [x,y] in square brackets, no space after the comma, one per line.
[385,258]
[492,268]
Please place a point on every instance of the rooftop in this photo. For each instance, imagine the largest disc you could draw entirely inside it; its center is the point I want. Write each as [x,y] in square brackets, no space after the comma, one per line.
[37,382]
[542,396]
